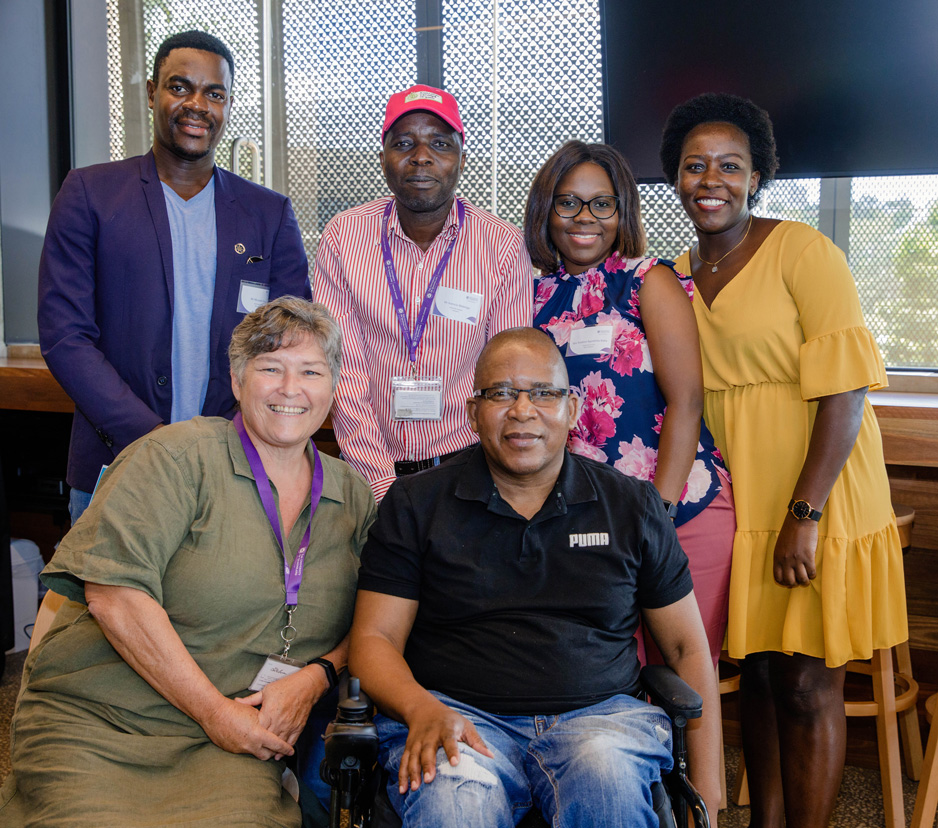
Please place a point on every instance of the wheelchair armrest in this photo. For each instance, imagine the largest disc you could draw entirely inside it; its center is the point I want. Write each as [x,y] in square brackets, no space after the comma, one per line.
[671,693]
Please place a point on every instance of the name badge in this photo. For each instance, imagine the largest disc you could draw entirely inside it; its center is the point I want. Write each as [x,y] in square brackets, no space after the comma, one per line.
[275,667]
[417,399]
[251,296]
[593,340]
[457,304]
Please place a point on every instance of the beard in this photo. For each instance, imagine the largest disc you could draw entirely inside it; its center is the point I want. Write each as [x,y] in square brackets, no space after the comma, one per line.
[192,149]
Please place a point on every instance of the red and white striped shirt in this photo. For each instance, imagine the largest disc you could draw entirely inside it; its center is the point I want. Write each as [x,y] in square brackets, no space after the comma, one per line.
[489,258]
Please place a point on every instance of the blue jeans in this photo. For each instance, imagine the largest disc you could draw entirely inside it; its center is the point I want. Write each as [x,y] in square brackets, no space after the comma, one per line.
[589,767]
[77,503]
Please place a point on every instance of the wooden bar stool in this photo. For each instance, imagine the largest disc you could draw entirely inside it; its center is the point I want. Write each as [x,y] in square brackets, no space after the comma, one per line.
[887,707]
[926,800]
[730,684]
[905,520]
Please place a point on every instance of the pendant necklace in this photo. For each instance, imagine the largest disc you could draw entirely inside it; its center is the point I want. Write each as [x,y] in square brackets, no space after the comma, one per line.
[713,265]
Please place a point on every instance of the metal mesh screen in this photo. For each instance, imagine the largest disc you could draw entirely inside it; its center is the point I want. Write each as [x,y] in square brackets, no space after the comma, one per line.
[894,258]
[670,232]
[341,64]
[115,87]
[528,76]
[237,24]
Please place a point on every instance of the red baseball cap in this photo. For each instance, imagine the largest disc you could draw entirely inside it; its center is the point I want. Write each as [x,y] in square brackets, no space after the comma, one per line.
[426,98]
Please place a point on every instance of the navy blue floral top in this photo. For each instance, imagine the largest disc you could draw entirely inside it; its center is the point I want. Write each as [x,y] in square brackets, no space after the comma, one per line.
[596,321]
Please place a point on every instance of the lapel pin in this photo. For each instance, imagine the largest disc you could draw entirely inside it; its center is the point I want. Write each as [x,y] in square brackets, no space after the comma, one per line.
[239,248]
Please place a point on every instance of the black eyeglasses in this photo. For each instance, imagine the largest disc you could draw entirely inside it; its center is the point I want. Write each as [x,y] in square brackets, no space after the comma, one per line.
[542,397]
[569,206]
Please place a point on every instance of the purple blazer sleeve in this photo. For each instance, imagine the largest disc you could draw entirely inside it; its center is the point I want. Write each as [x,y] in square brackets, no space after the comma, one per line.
[69,333]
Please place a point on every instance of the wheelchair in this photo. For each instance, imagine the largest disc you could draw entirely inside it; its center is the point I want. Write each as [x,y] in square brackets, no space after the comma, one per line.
[358,798]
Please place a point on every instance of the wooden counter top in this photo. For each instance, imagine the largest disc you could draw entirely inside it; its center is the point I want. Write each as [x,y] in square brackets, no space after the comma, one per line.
[909,423]
[26,384]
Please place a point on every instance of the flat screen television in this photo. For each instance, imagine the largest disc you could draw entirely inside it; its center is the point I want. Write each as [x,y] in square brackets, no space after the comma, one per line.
[851,85]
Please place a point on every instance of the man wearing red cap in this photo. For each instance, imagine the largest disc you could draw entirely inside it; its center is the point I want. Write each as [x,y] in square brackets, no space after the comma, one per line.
[419,282]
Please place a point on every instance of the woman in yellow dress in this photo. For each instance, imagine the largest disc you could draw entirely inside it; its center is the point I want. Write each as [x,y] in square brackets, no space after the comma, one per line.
[787,359]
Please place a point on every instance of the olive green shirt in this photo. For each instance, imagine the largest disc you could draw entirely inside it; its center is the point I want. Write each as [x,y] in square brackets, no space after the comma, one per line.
[178,516]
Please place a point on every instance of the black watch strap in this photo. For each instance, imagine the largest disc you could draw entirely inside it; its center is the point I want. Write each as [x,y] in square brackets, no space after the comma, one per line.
[329,667]
[670,508]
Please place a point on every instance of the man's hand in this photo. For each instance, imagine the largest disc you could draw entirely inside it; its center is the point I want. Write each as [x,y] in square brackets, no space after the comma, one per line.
[236,728]
[794,552]
[284,705]
[433,725]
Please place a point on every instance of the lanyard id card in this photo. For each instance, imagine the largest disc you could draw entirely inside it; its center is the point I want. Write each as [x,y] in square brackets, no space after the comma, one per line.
[275,667]
[279,666]
[417,398]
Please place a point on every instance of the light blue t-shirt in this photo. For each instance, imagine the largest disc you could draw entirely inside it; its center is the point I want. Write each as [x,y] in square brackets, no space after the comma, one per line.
[195,242]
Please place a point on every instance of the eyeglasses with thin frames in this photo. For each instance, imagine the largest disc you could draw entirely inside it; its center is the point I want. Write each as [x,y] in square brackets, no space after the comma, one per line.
[543,396]
[569,206]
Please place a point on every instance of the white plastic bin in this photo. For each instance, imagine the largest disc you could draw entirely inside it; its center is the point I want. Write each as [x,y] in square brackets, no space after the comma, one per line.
[26,563]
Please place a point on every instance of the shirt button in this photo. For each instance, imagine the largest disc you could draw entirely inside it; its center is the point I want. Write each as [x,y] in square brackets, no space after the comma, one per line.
[161,380]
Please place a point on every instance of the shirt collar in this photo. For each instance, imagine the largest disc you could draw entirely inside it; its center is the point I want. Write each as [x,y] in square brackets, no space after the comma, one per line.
[450,226]
[331,485]
[573,485]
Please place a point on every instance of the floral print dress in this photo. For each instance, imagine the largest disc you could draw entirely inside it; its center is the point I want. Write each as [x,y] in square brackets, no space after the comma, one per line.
[595,319]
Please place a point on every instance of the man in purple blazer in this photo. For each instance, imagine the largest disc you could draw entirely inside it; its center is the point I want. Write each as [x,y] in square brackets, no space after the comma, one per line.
[149,263]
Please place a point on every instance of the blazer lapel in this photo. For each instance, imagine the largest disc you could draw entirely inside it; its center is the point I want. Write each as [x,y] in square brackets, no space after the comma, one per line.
[156,201]
[226,228]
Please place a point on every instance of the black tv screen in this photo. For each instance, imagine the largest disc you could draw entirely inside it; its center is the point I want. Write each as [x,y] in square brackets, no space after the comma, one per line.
[851,85]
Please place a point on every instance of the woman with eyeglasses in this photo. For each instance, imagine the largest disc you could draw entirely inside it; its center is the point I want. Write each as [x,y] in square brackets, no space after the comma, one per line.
[626,328]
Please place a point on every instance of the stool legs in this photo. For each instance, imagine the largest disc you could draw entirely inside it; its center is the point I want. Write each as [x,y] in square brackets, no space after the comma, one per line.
[926,801]
[887,736]
[890,722]
[908,720]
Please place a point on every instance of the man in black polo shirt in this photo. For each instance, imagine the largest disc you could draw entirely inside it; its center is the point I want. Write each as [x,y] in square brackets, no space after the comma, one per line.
[498,599]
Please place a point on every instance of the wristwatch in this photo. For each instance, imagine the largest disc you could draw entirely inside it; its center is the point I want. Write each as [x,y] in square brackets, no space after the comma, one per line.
[331,675]
[670,508]
[802,510]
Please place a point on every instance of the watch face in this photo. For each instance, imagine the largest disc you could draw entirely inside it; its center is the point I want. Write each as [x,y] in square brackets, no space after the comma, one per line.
[801,509]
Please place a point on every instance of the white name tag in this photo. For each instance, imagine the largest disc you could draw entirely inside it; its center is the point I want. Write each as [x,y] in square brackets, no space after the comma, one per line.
[593,340]
[457,304]
[275,667]
[417,399]
[251,296]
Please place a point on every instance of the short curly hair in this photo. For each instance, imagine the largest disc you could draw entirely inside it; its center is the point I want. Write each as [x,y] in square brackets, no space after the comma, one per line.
[192,39]
[630,234]
[277,325]
[722,108]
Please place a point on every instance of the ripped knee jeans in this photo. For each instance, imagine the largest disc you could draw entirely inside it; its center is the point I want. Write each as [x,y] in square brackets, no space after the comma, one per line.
[588,767]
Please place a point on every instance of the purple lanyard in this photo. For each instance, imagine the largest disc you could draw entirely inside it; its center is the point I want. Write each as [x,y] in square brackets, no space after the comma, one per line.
[413,340]
[292,575]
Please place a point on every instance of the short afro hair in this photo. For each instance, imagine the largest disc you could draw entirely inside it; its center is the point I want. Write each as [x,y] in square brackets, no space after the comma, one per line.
[630,234]
[719,107]
[193,39]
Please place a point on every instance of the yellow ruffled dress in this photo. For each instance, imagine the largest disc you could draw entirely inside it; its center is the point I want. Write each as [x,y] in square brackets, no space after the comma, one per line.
[785,331]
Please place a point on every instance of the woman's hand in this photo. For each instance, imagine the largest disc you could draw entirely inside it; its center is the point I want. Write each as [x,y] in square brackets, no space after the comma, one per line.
[794,552]
[432,726]
[237,728]
[283,706]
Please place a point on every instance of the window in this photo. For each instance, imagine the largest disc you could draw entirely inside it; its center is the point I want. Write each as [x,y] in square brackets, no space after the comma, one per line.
[312,80]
